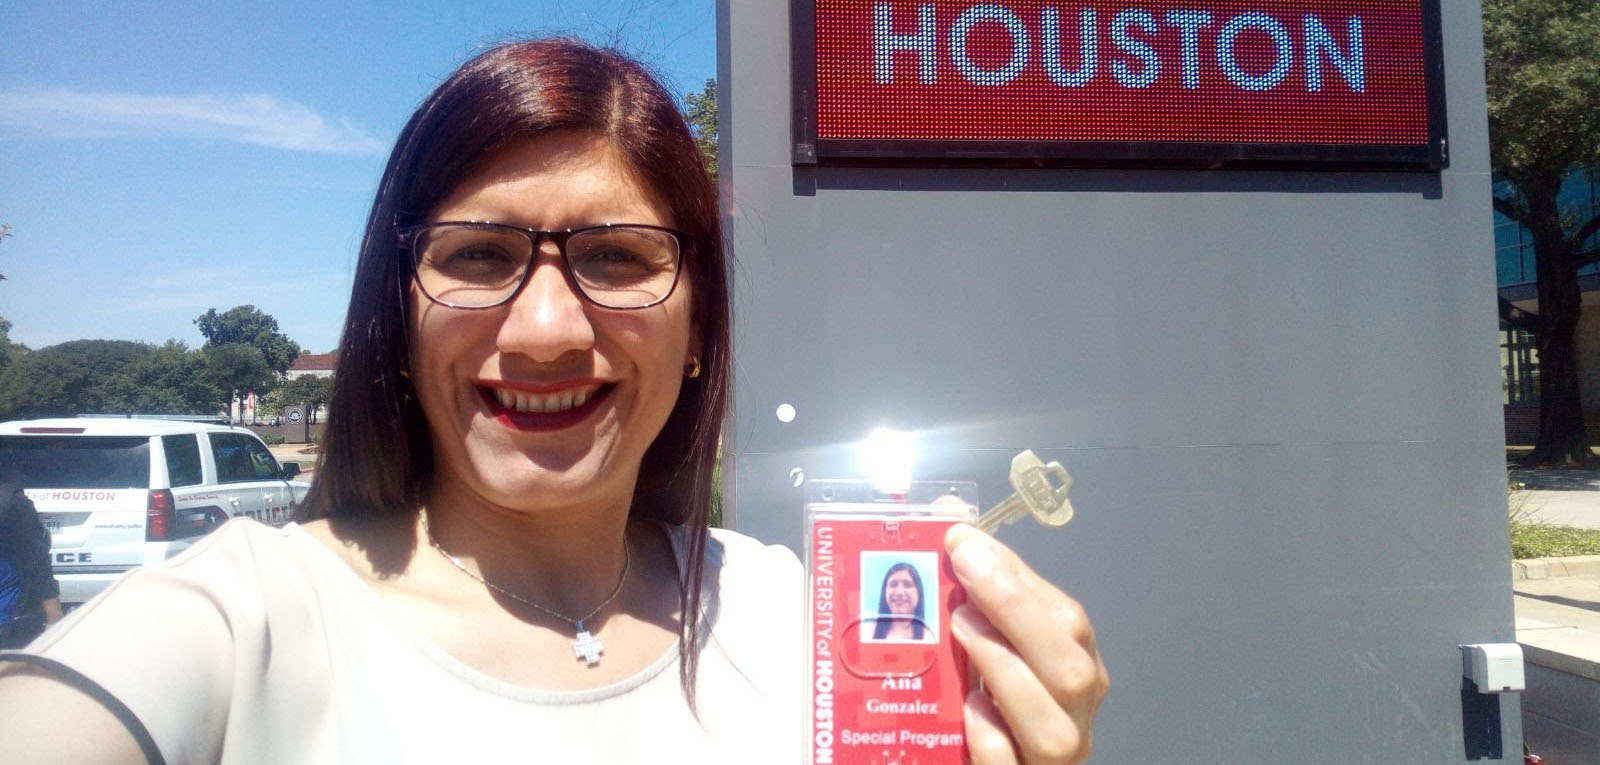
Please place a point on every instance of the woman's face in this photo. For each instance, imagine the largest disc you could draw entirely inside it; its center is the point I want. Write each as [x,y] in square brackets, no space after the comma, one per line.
[548,401]
[900,590]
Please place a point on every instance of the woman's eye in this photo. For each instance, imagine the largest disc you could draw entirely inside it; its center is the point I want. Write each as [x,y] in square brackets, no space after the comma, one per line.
[612,255]
[615,255]
[477,261]
[612,265]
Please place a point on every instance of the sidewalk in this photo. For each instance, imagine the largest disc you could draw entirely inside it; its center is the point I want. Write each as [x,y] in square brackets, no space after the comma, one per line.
[1557,603]
[1558,625]
[1558,613]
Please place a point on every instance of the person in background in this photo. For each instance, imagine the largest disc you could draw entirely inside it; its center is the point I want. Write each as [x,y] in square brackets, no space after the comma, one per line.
[30,598]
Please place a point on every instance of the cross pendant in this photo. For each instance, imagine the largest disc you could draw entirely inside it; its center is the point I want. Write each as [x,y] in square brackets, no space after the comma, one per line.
[587,647]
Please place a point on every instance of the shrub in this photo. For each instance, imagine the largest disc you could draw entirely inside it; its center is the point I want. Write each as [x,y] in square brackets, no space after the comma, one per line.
[1535,538]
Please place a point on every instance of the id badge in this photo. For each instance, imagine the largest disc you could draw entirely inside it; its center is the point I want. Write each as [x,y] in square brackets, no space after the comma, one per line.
[887,680]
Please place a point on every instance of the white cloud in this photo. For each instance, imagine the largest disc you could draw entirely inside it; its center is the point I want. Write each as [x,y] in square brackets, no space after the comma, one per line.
[251,118]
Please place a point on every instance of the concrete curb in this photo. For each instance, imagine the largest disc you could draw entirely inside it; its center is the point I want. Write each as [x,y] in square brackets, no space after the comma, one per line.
[1550,568]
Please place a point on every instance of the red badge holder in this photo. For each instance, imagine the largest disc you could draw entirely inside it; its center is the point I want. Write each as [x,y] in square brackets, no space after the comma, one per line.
[887,680]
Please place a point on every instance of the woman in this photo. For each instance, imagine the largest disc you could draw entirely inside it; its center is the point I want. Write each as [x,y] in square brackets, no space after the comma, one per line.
[900,609]
[508,552]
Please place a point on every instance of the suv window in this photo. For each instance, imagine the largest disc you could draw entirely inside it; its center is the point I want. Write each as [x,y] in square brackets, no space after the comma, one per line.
[183,459]
[266,468]
[79,462]
[232,454]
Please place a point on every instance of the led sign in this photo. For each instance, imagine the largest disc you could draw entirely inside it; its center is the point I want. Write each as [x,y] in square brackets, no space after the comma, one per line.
[1204,82]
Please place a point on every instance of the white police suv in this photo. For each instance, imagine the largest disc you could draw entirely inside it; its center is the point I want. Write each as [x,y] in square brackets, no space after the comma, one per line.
[118,493]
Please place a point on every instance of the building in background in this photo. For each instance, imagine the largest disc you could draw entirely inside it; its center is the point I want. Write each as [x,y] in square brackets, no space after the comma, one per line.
[1519,358]
[312,365]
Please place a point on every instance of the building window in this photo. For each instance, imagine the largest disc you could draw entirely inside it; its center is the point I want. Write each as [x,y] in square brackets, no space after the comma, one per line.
[1519,366]
[1579,199]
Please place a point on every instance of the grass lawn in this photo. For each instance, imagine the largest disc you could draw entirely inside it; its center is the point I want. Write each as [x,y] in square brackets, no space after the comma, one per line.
[1543,540]
[1533,538]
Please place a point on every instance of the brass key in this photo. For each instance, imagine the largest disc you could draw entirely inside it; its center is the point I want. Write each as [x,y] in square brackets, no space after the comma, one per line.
[1030,477]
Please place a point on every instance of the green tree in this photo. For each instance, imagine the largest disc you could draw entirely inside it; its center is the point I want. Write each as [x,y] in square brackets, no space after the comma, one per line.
[308,391]
[236,368]
[5,231]
[9,351]
[701,112]
[65,379]
[248,325]
[1543,74]
[169,379]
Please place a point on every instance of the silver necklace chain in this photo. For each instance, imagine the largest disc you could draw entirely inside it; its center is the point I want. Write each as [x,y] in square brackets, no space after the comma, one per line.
[586,647]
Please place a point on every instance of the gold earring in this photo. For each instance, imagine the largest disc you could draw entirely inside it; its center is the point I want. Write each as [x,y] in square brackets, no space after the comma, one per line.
[691,370]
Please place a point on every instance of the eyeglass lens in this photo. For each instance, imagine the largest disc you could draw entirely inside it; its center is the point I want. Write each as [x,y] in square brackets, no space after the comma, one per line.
[481,265]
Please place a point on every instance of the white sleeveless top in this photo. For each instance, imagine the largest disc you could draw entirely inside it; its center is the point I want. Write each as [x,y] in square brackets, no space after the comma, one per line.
[260,645]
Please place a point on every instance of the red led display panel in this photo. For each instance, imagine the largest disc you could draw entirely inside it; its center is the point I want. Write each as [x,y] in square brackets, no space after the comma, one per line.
[1308,80]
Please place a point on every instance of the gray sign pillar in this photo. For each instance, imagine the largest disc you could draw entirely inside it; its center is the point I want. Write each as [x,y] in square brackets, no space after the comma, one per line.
[1276,391]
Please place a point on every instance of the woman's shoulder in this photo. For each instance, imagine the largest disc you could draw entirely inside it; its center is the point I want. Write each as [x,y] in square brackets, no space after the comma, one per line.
[228,570]
[241,600]
[238,552]
[731,549]
[747,571]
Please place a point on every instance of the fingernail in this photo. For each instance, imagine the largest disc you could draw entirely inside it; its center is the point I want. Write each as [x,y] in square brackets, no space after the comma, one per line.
[961,622]
[972,559]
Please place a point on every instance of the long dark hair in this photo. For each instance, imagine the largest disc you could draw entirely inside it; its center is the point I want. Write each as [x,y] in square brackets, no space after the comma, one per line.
[378,456]
[882,630]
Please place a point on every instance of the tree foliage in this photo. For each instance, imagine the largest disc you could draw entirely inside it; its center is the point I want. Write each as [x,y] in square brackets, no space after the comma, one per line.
[701,112]
[1543,76]
[238,368]
[66,379]
[308,391]
[123,377]
[9,351]
[168,379]
[248,325]
[108,377]
[5,231]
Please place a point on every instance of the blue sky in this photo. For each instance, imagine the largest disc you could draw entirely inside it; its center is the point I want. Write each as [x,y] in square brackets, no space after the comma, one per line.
[161,158]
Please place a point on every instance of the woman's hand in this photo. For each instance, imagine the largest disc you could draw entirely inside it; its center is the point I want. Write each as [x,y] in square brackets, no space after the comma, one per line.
[52,610]
[1034,648]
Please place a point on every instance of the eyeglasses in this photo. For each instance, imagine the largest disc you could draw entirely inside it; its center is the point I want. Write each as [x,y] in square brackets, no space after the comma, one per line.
[482,265]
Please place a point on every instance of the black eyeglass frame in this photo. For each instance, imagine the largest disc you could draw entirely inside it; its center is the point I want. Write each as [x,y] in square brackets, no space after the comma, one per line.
[407,239]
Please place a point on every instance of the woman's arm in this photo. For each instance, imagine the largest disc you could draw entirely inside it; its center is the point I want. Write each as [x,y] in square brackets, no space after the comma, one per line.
[1043,679]
[45,720]
[152,659]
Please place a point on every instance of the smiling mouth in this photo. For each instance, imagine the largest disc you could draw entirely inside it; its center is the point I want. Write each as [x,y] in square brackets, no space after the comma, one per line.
[527,410]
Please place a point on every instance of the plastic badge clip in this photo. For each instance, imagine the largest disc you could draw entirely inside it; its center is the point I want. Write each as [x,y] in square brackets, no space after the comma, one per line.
[1035,494]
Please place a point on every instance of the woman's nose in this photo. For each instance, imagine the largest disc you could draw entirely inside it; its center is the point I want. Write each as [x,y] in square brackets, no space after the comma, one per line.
[547,318]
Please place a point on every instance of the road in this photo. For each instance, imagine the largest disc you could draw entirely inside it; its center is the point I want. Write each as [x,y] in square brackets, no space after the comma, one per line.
[1560,497]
